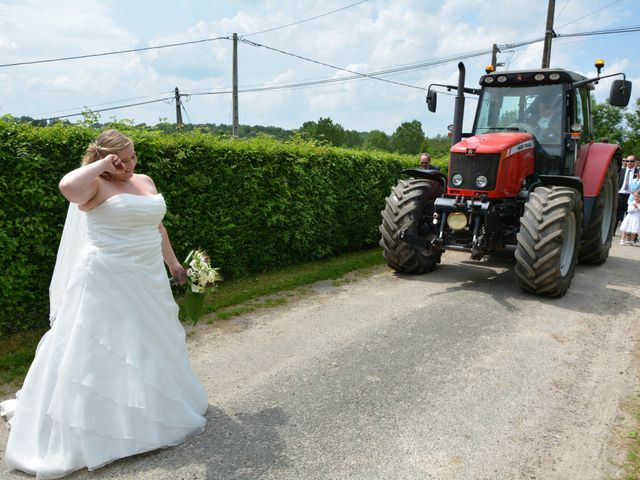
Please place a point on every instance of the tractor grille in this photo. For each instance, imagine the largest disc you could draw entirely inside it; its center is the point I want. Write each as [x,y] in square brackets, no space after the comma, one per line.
[471,167]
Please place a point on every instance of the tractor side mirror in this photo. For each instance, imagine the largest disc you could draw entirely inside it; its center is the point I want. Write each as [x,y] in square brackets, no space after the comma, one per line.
[620,93]
[432,100]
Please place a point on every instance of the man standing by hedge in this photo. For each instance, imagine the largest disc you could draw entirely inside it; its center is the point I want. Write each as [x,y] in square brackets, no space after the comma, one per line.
[425,162]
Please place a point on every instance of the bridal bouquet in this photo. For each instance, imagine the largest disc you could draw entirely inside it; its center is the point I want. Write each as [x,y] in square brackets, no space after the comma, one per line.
[201,279]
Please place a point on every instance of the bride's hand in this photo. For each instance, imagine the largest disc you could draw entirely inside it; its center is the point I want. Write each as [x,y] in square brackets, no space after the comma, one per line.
[178,273]
[112,163]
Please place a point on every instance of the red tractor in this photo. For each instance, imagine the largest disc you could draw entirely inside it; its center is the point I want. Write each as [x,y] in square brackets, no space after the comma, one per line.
[529,177]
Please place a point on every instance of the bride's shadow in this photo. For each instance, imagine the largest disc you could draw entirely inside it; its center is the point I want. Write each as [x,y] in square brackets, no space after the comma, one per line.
[241,446]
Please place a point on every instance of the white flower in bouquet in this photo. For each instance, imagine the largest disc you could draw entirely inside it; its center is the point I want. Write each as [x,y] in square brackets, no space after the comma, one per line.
[201,276]
[201,279]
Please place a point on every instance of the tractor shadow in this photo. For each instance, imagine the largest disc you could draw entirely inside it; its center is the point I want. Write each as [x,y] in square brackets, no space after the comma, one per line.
[608,289]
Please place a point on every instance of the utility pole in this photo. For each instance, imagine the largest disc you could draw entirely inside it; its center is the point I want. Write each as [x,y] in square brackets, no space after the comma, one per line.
[494,60]
[234,126]
[548,35]
[494,56]
[178,110]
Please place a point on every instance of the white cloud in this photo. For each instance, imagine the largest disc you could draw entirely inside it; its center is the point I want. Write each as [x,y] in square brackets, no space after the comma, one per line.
[372,36]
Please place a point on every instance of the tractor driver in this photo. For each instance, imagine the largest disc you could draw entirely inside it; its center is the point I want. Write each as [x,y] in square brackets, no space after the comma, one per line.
[545,117]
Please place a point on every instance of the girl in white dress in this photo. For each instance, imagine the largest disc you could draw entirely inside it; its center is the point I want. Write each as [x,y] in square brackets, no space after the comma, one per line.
[630,226]
[111,378]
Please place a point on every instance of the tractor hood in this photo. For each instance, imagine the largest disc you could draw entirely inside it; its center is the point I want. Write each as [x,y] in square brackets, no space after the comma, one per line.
[492,164]
[498,142]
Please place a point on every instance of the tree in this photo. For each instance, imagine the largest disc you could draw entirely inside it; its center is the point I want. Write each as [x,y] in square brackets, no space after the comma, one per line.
[632,141]
[607,122]
[407,138]
[89,118]
[324,129]
[377,140]
[353,139]
[332,132]
[437,146]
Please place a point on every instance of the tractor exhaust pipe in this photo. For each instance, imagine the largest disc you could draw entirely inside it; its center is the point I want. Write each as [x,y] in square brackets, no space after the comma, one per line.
[458,112]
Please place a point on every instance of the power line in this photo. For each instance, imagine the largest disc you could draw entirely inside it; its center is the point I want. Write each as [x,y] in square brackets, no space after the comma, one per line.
[304,84]
[508,46]
[311,83]
[562,9]
[104,103]
[185,112]
[192,42]
[254,44]
[178,44]
[513,55]
[371,75]
[117,52]
[611,31]
[303,21]
[358,76]
[166,100]
[589,14]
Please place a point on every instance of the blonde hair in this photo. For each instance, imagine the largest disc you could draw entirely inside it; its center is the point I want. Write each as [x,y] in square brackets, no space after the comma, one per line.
[109,141]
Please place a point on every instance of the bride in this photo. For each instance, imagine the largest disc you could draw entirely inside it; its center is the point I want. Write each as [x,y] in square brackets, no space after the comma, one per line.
[111,378]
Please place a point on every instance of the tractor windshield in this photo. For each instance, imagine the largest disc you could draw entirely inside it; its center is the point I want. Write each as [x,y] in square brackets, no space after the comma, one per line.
[536,109]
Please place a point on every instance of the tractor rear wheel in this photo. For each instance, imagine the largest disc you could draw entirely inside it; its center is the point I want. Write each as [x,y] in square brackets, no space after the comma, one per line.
[548,241]
[409,208]
[596,239]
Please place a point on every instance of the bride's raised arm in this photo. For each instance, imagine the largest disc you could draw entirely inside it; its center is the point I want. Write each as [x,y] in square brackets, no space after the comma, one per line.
[81,185]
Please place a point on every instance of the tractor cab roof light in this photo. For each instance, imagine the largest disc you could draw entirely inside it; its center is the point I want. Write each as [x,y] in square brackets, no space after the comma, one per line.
[599,64]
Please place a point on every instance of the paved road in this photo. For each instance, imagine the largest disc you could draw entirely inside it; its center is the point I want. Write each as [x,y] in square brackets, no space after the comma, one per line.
[451,375]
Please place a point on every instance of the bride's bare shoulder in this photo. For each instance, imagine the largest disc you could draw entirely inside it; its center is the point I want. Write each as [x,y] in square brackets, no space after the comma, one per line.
[144,182]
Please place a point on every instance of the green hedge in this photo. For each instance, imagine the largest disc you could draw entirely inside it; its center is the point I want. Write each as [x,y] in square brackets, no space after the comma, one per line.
[251,204]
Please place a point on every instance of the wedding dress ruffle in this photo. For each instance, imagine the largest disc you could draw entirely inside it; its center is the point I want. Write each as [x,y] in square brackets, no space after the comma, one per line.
[111,378]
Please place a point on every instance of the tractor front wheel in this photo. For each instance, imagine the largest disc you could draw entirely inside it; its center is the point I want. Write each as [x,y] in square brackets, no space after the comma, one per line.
[409,208]
[548,241]
[596,239]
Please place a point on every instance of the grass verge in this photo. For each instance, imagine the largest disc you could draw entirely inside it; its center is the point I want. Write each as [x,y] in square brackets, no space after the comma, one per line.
[230,299]
[629,437]
[16,354]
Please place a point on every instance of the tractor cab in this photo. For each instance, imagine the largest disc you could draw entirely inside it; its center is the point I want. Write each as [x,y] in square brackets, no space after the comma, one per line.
[542,103]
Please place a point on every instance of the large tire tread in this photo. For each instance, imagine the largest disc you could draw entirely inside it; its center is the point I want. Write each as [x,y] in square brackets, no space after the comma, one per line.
[540,240]
[404,209]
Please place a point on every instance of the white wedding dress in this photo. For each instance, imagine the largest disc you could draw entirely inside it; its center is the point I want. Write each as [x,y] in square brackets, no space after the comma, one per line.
[111,378]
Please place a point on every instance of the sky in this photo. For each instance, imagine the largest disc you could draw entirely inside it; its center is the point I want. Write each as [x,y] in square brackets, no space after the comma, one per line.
[359,36]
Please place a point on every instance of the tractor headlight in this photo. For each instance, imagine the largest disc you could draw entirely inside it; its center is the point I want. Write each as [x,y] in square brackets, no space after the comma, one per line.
[456,180]
[456,220]
[481,181]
